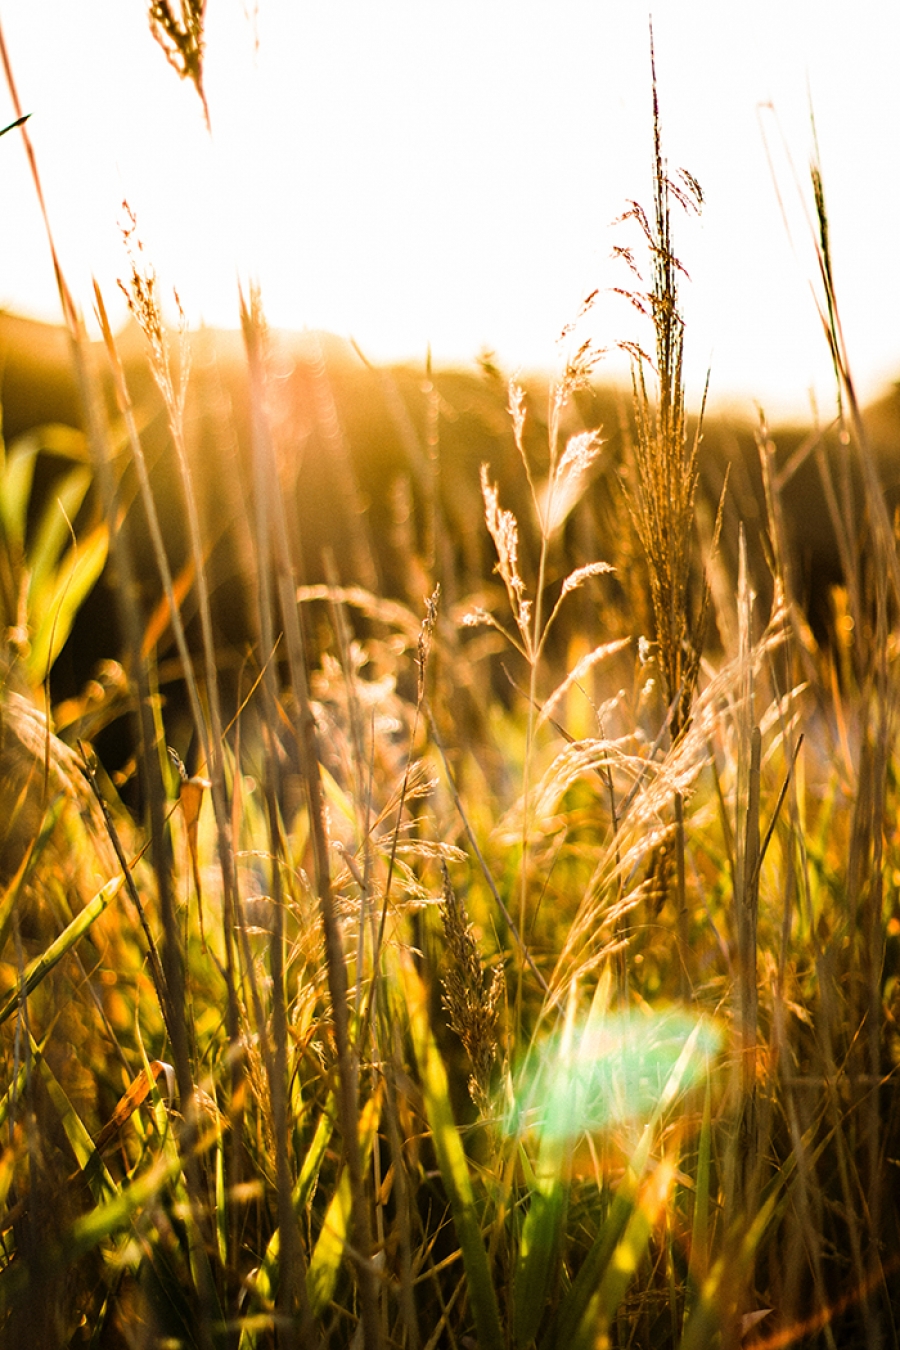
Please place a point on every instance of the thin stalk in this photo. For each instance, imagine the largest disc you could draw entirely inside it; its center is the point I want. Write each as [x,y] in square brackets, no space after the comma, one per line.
[307,739]
[142,300]
[529,750]
[92,407]
[225,851]
[292,1292]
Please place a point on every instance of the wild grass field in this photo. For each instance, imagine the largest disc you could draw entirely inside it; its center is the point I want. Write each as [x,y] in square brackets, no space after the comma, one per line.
[461,906]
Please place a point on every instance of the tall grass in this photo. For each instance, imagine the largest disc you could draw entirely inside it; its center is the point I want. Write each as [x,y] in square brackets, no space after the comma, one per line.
[422,1072]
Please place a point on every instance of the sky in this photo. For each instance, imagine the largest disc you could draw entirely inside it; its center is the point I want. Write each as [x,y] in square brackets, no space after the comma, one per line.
[447,175]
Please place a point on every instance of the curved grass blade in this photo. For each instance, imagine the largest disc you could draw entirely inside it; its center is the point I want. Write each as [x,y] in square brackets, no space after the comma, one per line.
[62,597]
[41,966]
[16,885]
[52,534]
[325,1262]
[83,1147]
[105,1220]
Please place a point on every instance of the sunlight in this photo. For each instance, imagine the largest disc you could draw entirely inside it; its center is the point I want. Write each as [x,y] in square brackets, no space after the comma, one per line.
[448,177]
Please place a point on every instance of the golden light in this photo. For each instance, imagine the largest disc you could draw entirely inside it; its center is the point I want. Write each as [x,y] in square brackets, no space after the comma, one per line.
[446,176]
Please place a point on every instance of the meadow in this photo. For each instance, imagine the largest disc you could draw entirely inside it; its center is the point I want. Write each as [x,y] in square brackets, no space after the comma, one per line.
[450,879]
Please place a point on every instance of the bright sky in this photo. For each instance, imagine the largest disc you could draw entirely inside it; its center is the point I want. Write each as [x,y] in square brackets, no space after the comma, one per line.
[415,172]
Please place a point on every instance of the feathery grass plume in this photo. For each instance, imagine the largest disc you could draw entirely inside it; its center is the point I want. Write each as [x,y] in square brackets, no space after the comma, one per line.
[471,997]
[664,487]
[665,482]
[567,477]
[504,530]
[181,37]
[647,785]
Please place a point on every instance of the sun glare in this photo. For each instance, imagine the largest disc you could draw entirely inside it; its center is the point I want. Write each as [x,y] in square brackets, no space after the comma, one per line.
[447,177]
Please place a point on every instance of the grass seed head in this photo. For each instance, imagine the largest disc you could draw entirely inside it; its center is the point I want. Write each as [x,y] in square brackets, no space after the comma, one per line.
[471,996]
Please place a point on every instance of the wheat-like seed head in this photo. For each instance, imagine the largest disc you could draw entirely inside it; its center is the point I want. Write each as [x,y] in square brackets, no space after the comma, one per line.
[504,530]
[142,295]
[471,998]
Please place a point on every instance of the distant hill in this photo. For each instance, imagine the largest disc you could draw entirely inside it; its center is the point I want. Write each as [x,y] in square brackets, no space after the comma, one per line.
[381,468]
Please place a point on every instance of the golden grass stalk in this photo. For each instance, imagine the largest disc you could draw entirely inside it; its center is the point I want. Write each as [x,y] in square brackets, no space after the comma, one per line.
[665,484]
[664,487]
[142,296]
[275,553]
[94,415]
[568,474]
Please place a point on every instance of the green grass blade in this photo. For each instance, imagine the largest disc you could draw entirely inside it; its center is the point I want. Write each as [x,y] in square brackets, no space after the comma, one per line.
[54,609]
[628,1254]
[104,1221]
[50,541]
[717,1304]
[314,1155]
[266,1281]
[699,1258]
[221,1205]
[98,1178]
[452,1162]
[325,1262]
[15,482]
[574,1310]
[41,966]
[541,1242]
[575,1314]
[543,1230]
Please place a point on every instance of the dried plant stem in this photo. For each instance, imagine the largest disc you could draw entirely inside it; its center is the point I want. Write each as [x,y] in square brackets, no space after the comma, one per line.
[291,1296]
[156,968]
[142,298]
[743,1157]
[684,918]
